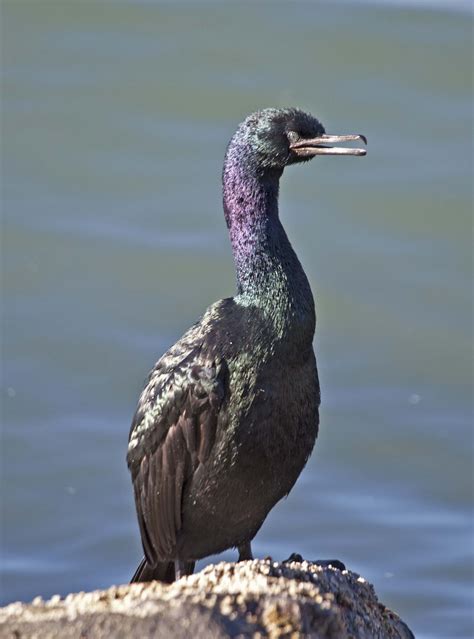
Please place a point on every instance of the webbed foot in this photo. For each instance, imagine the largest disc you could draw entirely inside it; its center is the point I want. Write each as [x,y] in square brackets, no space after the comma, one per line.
[335,563]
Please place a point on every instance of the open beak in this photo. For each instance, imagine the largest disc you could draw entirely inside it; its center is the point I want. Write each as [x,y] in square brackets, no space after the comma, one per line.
[322,145]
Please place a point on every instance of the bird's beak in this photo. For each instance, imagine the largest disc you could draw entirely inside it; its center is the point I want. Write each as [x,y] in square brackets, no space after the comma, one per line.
[322,145]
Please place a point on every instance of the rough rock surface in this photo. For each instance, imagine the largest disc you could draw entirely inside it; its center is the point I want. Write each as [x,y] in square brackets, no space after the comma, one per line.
[257,598]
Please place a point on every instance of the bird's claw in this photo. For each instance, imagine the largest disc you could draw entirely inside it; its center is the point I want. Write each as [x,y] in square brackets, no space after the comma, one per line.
[334,563]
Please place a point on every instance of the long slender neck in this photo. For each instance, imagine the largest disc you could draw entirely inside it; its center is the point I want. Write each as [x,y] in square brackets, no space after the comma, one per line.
[269,273]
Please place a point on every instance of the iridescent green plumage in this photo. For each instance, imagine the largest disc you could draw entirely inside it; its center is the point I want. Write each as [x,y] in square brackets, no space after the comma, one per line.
[229,415]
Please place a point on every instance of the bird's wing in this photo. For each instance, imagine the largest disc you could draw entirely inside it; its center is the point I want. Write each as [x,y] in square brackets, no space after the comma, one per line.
[173,431]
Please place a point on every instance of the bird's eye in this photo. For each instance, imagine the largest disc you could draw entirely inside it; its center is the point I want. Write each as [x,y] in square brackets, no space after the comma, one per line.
[292,137]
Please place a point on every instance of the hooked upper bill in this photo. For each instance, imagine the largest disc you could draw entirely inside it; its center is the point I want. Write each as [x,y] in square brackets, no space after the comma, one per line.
[322,145]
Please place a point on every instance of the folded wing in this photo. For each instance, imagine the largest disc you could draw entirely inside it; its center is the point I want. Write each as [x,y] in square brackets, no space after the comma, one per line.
[172,433]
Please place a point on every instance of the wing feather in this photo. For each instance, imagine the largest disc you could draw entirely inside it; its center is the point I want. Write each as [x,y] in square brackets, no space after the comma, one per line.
[172,433]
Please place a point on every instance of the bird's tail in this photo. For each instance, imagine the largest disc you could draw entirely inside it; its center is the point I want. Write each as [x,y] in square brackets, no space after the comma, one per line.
[163,571]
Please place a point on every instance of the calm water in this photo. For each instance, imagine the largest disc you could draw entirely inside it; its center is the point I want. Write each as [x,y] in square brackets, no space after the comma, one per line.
[115,121]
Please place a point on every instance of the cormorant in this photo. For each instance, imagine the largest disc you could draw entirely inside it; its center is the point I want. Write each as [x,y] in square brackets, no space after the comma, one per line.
[229,414]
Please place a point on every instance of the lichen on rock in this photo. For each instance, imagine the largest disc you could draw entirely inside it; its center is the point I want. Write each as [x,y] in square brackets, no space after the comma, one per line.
[258,598]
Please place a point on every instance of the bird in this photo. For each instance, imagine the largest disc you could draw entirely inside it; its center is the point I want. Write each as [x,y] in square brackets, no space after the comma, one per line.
[229,414]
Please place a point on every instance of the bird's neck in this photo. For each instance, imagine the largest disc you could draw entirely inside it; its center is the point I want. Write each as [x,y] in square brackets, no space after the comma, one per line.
[269,273]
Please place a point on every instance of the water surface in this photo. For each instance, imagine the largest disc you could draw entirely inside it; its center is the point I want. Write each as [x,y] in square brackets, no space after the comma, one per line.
[115,121]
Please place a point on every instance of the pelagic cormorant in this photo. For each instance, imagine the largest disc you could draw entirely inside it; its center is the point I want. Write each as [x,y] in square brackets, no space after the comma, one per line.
[229,415]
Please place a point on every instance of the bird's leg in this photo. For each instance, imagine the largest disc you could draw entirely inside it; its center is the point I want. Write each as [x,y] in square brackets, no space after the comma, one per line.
[183,568]
[245,551]
[179,569]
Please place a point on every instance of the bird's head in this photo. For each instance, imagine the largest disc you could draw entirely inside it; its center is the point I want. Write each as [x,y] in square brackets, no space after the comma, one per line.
[278,137]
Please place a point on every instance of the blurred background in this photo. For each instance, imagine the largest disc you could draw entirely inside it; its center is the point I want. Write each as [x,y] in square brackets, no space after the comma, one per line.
[114,125]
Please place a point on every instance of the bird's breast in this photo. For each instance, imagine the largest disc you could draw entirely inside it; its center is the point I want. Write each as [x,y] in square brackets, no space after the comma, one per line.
[276,416]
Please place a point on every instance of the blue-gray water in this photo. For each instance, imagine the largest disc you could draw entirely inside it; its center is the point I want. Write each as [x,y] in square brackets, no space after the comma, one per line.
[114,124]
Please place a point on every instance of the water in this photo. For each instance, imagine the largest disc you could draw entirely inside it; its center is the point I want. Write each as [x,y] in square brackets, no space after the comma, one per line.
[115,120]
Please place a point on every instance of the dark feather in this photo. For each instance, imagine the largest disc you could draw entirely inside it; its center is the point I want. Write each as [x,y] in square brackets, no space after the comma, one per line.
[229,415]
[172,433]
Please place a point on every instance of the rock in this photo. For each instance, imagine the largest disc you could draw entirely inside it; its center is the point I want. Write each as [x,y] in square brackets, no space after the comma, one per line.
[257,598]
